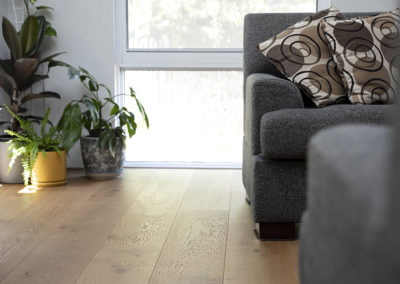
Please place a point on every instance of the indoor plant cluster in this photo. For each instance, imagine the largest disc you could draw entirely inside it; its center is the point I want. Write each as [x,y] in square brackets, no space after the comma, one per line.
[103,149]
[39,156]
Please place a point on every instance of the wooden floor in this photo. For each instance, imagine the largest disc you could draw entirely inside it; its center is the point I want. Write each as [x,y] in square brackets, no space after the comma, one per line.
[149,226]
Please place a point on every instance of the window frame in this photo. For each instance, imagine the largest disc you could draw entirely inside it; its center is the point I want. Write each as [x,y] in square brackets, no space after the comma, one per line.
[170,59]
[207,59]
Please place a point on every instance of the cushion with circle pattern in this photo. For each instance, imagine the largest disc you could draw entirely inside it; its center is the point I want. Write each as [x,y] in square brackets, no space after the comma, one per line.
[301,53]
[366,53]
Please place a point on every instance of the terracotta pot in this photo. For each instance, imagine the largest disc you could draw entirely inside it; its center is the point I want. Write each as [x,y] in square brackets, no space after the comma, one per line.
[49,170]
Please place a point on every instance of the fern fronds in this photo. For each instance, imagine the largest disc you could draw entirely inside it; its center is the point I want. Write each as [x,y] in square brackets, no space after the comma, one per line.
[28,143]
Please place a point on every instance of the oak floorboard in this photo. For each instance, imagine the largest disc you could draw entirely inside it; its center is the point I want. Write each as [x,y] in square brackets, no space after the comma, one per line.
[195,248]
[131,250]
[69,248]
[247,259]
[148,226]
[20,235]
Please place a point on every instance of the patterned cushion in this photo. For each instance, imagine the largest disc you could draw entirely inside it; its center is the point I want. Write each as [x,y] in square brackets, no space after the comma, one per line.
[365,52]
[301,53]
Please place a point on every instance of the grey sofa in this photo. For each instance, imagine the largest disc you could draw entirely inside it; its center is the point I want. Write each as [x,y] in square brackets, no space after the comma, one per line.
[350,231]
[278,123]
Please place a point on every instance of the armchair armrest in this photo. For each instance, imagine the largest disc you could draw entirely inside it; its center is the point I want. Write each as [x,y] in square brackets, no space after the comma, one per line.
[266,93]
[345,229]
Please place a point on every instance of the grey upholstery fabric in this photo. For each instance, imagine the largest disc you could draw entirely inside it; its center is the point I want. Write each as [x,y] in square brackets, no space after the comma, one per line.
[276,187]
[285,133]
[266,93]
[346,225]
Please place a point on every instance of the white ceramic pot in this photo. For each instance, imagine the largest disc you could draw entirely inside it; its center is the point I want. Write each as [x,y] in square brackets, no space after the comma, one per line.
[15,174]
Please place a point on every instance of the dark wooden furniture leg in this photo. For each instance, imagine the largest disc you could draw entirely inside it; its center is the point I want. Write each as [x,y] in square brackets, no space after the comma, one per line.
[267,231]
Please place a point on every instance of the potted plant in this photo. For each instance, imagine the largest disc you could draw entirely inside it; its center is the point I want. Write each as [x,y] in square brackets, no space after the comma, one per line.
[43,155]
[20,72]
[103,149]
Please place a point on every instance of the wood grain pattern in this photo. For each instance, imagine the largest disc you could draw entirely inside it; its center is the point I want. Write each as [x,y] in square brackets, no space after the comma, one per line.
[149,226]
[195,249]
[132,249]
[74,241]
[249,260]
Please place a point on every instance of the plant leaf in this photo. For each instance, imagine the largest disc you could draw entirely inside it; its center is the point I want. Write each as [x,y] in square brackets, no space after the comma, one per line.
[12,39]
[34,118]
[44,8]
[50,31]
[24,68]
[6,82]
[29,33]
[111,143]
[93,86]
[41,95]
[50,57]
[34,79]
[140,107]
[70,125]
[104,138]
[114,110]
[73,73]
[41,35]
[8,66]
[56,63]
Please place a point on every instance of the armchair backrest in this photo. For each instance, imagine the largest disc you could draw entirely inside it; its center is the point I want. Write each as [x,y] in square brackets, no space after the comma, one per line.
[259,28]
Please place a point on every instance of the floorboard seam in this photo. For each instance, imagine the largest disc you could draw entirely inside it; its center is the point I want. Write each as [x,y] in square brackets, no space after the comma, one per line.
[170,228]
[227,228]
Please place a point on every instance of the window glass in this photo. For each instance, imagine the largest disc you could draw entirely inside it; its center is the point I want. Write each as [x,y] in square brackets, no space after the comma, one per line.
[198,23]
[195,116]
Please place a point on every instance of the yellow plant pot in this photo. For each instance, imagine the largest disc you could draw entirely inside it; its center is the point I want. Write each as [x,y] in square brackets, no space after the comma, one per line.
[49,170]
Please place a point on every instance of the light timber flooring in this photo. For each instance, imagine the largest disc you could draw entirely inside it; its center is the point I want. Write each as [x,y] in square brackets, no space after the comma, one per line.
[148,226]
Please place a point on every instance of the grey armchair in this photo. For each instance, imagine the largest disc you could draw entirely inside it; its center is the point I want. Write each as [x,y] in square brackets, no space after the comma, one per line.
[350,231]
[278,123]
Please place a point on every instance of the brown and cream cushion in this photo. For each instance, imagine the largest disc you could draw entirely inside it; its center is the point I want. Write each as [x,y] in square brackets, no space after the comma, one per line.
[301,53]
[366,53]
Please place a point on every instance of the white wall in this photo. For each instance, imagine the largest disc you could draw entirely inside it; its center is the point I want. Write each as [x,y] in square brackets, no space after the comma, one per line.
[3,54]
[360,5]
[86,32]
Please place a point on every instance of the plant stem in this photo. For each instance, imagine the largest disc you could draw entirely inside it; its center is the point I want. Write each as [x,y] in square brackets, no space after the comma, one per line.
[27,7]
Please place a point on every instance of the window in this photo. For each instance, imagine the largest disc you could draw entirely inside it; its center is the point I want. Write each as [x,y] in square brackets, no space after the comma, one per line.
[184,59]
[197,23]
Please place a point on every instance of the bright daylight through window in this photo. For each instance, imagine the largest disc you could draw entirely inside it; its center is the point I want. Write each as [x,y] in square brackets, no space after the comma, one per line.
[195,111]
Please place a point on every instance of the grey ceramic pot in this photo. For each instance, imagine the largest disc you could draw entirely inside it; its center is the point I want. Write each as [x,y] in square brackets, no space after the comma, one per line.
[15,174]
[99,163]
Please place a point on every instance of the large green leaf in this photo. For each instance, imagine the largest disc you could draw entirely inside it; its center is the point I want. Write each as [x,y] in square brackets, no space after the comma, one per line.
[50,57]
[140,107]
[70,125]
[24,69]
[41,36]
[29,33]
[41,95]
[104,138]
[12,39]
[34,79]
[6,82]
[8,66]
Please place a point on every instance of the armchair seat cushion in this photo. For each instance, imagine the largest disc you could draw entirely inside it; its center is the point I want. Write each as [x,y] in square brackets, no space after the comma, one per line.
[284,134]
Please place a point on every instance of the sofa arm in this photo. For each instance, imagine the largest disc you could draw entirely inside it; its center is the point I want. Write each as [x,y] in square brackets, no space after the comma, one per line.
[343,230]
[266,93]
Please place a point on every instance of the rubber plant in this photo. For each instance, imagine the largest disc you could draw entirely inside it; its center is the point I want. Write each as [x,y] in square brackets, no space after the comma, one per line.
[21,71]
[89,113]
[28,143]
